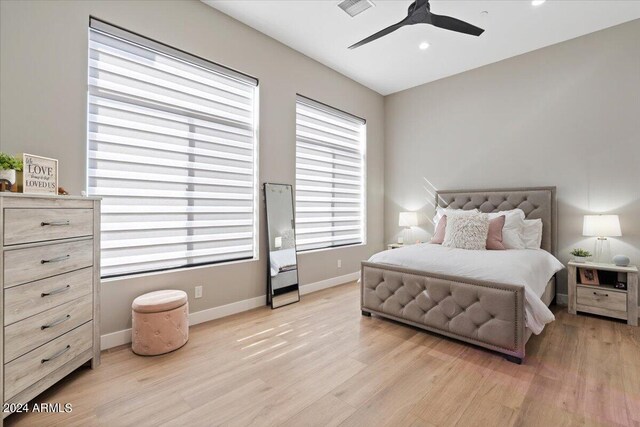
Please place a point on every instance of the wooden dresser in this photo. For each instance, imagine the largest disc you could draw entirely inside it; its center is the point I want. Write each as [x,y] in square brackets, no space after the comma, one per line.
[49,276]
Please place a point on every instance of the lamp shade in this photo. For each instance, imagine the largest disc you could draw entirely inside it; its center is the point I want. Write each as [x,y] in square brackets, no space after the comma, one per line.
[408,219]
[601,226]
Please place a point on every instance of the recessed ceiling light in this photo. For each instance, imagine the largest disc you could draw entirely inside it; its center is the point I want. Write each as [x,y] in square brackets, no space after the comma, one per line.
[537,2]
[423,45]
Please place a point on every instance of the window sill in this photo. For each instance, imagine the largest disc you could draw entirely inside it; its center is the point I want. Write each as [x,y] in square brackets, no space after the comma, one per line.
[313,251]
[177,270]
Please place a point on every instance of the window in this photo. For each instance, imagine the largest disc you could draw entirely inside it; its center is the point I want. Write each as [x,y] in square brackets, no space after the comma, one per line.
[172,152]
[330,176]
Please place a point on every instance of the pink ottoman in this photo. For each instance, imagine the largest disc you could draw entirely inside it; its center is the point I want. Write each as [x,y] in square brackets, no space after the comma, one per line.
[160,322]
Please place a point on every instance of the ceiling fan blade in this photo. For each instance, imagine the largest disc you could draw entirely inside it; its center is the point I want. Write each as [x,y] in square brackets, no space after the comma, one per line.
[453,24]
[381,33]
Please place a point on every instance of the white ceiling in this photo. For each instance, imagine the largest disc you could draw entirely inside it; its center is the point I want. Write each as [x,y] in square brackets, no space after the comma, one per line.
[322,31]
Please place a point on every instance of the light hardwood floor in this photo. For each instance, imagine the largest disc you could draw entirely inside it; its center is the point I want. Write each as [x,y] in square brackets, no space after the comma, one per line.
[319,362]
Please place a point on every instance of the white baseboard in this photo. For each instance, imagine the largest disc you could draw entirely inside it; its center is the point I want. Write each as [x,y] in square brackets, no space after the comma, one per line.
[115,339]
[226,310]
[324,284]
[562,299]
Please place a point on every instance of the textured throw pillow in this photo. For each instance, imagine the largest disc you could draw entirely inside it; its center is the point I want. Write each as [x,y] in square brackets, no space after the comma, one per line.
[494,237]
[513,228]
[532,233]
[467,232]
[440,212]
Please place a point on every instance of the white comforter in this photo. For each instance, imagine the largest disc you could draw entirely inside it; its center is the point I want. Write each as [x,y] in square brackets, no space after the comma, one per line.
[529,267]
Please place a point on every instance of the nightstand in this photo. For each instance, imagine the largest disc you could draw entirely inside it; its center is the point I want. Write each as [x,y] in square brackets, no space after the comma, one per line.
[395,245]
[604,299]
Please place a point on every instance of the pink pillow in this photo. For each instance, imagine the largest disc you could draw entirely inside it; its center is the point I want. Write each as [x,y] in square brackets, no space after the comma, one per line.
[438,236]
[494,237]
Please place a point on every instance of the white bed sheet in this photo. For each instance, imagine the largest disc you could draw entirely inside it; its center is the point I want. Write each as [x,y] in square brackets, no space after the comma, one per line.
[529,267]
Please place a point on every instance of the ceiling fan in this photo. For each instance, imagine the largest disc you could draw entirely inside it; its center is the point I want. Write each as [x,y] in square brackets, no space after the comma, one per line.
[420,13]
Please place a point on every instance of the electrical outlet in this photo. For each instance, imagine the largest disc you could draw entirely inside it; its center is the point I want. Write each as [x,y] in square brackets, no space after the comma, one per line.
[339,263]
[198,291]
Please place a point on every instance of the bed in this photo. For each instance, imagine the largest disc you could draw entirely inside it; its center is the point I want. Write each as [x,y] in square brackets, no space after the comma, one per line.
[489,311]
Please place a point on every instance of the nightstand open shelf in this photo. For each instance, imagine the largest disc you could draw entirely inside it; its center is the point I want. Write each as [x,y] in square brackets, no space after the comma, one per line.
[605,299]
[606,286]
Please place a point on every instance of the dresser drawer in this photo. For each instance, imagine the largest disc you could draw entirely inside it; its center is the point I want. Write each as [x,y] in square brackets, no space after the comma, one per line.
[26,265]
[602,298]
[32,298]
[30,333]
[35,365]
[36,225]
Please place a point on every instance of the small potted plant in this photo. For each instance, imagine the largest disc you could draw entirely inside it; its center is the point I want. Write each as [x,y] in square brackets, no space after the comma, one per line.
[581,255]
[9,165]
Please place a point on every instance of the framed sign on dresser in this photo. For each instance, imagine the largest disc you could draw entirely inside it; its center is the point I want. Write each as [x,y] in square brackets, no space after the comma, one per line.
[50,294]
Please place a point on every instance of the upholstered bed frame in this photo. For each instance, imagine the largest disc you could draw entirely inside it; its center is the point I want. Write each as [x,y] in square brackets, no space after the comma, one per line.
[486,314]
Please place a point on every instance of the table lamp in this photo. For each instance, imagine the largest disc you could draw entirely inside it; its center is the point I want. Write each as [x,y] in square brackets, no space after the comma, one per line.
[601,226]
[407,220]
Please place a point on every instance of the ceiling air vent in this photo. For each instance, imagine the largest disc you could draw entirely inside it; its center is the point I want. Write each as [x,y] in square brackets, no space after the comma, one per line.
[355,7]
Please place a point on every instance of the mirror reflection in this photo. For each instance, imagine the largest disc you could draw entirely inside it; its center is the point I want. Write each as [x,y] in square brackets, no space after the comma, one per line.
[283,263]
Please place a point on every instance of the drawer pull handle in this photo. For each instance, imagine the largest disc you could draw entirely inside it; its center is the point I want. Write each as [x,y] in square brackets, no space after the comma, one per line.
[55,223]
[55,291]
[58,259]
[58,354]
[56,323]
[600,294]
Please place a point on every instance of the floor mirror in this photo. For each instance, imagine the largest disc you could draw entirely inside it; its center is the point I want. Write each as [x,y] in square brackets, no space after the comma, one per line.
[282,276]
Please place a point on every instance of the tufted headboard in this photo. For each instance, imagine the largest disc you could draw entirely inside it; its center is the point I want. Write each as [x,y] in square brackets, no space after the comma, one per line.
[537,202]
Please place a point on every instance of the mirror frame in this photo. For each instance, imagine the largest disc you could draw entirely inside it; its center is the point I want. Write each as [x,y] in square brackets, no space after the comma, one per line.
[289,294]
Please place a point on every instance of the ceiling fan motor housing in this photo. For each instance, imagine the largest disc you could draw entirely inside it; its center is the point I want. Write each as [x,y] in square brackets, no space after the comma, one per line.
[419,12]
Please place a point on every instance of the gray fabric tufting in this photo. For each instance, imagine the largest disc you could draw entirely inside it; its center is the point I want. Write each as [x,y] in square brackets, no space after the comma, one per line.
[487,314]
[482,313]
[536,203]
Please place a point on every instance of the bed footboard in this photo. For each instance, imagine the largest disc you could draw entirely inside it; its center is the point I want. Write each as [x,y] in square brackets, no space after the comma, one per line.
[487,314]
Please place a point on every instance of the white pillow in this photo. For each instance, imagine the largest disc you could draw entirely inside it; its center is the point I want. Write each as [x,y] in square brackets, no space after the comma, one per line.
[512,232]
[467,231]
[532,233]
[440,212]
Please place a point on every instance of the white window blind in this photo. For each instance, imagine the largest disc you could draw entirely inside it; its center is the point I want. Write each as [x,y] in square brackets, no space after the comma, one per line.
[172,152]
[330,176]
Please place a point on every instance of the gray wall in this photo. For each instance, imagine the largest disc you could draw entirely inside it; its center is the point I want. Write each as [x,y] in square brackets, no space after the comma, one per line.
[43,74]
[567,115]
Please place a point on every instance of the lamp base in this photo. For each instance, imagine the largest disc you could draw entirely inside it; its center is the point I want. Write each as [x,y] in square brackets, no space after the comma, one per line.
[407,236]
[602,250]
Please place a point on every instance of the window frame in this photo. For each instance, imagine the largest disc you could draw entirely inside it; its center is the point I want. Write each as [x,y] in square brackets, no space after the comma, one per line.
[109,29]
[363,178]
